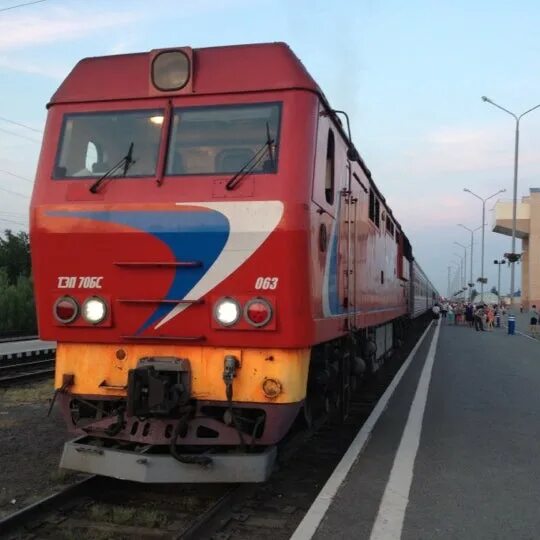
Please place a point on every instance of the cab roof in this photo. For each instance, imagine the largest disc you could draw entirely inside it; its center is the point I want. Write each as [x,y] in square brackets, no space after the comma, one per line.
[215,70]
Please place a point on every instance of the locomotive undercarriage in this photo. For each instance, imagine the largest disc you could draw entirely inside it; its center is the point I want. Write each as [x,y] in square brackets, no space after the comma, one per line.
[195,423]
[337,368]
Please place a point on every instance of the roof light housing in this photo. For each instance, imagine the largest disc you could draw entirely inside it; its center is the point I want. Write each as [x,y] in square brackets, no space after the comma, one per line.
[171,70]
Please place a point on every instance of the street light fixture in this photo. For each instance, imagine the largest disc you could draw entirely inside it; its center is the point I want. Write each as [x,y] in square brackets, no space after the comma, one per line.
[461,270]
[484,200]
[456,266]
[512,260]
[498,263]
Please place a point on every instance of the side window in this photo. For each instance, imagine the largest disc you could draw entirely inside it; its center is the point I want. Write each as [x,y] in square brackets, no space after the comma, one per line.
[374,208]
[372,205]
[330,168]
[91,156]
[389,226]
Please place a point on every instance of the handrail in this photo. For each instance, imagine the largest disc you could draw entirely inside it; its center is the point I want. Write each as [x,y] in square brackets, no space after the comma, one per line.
[158,301]
[159,264]
[165,338]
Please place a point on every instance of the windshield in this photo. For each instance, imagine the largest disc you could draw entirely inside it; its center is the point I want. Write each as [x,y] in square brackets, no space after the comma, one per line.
[92,143]
[222,139]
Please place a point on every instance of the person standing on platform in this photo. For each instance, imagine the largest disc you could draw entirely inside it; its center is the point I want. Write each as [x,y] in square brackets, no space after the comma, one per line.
[436,311]
[533,328]
[479,318]
[459,314]
[490,318]
[534,315]
[469,314]
[444,309]
[451,315]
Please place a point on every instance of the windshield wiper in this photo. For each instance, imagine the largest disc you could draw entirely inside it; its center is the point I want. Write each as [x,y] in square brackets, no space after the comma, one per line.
[254,161]
[269,143]
[126,162]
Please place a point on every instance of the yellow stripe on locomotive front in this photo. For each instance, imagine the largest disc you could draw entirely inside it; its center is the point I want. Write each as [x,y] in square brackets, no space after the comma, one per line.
[102,370]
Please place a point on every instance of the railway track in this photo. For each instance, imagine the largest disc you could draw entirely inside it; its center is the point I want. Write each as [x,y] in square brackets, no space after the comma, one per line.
[98,508]
[103,508]
[27,369]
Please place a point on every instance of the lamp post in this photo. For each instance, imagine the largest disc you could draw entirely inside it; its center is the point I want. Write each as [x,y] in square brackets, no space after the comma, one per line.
[448,292]
[484,200]
[472,231]
[514,257]
[498,263]
[452,273]
[454,265]
[461,270]
[465,263]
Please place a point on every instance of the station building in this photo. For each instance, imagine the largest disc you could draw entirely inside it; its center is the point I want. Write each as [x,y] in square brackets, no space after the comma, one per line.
[528,230]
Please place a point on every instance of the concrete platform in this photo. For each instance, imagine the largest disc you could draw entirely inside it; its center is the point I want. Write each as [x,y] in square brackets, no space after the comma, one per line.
[19,349]
[453,455]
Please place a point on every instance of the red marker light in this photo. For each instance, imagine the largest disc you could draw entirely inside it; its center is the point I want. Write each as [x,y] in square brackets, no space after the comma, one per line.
[258,312]
[66,309]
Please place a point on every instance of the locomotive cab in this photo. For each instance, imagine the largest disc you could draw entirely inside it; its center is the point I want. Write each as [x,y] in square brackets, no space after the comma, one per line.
[168,222]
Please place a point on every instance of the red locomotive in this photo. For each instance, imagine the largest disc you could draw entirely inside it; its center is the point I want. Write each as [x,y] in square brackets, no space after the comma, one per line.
[213,258]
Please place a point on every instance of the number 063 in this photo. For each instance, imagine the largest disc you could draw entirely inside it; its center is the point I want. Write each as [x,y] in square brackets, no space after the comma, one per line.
[266,283]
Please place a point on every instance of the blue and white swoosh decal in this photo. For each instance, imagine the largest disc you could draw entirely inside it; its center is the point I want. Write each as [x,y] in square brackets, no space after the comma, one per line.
[250,224]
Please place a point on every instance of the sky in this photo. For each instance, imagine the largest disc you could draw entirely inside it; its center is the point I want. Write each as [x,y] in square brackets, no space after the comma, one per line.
[409,73]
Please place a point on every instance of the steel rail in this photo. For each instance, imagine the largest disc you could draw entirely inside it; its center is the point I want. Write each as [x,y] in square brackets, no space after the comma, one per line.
[203,523]
[27,376]
[5,367]
[31,512]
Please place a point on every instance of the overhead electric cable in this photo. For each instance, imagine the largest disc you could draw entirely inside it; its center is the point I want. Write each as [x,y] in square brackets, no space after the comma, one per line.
[2,171]
[12,221]
[20,124]
[19,135]
[15,193]
[13,214]
[22,5]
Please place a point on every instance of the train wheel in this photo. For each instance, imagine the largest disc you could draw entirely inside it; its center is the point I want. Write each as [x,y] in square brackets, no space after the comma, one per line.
[345,387]
[308,412]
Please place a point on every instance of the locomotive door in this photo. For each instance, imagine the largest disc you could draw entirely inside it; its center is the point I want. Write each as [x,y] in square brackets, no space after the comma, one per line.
[332,195]
[325,195]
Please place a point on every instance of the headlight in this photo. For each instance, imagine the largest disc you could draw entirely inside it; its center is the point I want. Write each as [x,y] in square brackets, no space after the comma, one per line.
[94,310]
[227,311]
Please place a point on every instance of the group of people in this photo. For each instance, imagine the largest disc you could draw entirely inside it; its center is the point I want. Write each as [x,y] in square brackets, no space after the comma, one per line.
[478,316]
